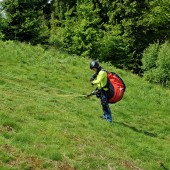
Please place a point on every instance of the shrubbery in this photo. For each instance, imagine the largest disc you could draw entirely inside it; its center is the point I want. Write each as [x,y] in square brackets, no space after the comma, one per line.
[156,63]
[112,47]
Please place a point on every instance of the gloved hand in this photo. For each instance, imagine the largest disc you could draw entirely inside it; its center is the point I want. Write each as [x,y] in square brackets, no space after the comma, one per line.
[92,83]
[92,93]
[93,77]
[98,93]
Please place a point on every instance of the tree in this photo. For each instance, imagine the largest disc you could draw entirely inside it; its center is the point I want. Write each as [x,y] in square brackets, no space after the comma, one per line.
[26,20]
[82,32]
[126,15]
[157,20]
[57,17]
[2,22]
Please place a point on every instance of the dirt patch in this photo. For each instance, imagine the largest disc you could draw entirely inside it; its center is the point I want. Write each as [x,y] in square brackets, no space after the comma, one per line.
[130,165]
[7,148]
[62,166]
[8,128]
[34,162]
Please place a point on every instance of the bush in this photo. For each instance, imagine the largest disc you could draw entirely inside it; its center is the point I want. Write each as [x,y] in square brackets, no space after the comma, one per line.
[150,56]
[113,48]
[1,35]
[163,64]
[156,63]
[56,38]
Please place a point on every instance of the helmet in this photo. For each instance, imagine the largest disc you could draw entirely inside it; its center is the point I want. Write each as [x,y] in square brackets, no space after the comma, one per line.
[94,64]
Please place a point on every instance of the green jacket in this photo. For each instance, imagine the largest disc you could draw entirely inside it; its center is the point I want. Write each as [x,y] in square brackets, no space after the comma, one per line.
[101,80]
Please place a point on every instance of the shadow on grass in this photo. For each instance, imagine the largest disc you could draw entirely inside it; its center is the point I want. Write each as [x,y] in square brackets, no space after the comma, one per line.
[137,130]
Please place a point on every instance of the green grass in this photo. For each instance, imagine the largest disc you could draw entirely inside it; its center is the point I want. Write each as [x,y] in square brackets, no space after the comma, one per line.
[46,123]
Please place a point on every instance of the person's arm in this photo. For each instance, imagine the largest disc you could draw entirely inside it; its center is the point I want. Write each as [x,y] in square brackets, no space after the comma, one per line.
[93,77]
[99,78]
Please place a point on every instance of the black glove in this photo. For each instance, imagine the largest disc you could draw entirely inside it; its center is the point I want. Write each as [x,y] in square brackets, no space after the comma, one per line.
[98,93]
[93,77]
[92,93]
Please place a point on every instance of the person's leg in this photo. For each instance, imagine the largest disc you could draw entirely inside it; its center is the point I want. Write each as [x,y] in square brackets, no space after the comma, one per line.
[106,109]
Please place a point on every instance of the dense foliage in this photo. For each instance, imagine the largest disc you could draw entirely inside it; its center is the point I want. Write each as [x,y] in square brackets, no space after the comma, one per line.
[26,20]
[115,31]
[156,63]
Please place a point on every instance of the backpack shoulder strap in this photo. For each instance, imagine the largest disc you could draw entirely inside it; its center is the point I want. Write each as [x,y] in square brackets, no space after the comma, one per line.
[107,84]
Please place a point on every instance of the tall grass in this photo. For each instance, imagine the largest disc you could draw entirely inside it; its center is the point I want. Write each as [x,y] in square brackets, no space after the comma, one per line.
[47,123]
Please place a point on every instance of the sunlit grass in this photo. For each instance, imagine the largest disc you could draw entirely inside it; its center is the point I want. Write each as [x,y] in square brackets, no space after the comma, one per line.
[47,123]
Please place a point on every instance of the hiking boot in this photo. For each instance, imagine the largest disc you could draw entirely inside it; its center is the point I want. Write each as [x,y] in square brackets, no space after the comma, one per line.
[103,117]
[109,120]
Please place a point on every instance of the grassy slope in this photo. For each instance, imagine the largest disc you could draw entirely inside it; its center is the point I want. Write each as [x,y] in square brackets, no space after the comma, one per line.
[45,124]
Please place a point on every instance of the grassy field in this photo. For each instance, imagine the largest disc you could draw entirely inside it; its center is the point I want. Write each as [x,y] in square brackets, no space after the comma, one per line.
[47,123]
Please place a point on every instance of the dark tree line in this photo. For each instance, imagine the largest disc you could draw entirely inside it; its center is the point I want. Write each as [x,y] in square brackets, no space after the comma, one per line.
[109,30]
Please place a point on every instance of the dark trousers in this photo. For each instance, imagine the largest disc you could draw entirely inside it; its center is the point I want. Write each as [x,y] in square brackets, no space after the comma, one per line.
[105,106]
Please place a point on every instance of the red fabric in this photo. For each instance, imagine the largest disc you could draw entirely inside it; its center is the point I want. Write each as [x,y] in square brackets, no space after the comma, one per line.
[119,88]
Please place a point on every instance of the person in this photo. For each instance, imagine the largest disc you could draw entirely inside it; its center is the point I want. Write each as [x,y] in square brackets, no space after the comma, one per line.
[99,78]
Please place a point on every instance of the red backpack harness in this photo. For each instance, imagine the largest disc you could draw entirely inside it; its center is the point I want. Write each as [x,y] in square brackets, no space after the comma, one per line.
[116,87]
